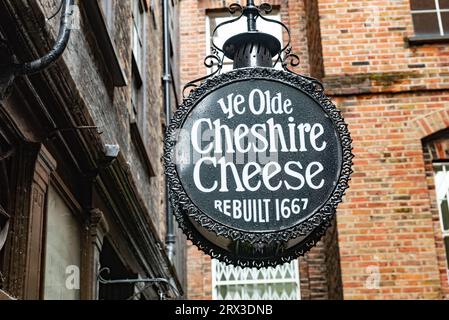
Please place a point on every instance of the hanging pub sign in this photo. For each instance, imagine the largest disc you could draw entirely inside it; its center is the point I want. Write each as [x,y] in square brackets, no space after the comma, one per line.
[257,160]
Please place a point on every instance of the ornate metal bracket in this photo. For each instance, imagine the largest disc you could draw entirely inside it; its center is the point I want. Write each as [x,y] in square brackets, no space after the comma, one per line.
[284,57]
[150,281]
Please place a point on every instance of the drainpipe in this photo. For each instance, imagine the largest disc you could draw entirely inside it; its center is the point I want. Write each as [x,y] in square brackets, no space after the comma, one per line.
[55,53]
[9,70]
[166,79]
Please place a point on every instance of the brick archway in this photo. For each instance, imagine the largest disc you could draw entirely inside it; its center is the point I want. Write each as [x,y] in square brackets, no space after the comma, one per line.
[431,123]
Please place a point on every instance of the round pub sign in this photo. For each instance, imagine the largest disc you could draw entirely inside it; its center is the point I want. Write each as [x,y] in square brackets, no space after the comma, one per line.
[257,161]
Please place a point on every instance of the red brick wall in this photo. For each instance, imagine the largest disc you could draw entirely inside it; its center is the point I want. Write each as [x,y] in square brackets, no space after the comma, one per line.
[386,220]
[388,92]
[320,274]
[199,277]
[392,95]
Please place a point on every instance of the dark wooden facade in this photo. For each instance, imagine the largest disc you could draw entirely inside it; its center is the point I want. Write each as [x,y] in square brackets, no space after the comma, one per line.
[53,130]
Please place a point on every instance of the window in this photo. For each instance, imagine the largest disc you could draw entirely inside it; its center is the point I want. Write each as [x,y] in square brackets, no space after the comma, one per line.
[236,283]
[232,29]
[138,32]
[137,99]
[442,189]
[136,93]
[430,17]
[62,252]
[101,14]
[138,106]
[108,6]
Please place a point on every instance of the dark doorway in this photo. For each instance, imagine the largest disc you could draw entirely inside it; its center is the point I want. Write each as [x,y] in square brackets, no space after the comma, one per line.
[121,291]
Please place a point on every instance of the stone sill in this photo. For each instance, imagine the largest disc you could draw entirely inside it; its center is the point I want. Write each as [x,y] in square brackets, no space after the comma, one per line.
[421,40]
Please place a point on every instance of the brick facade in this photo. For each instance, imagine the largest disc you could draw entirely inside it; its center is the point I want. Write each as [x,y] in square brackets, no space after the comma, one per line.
[393,93]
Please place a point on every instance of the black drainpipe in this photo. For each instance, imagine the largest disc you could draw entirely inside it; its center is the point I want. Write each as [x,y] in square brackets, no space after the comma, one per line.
[55,53]
[166,78]
[10,70]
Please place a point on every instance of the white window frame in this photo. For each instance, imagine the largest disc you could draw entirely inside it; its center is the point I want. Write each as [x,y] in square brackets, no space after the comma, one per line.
[438,11]
[267,277]
[444,232]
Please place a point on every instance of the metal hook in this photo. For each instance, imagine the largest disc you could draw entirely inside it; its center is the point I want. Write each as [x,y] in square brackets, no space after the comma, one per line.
[130,281]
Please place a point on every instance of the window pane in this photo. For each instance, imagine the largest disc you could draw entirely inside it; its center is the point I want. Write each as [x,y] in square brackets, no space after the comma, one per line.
[426,23]
[445,214]
[445,20]
[444,4]
[422,4]
[446,244]
[63,247]
[138,33]
[236,283]
[137,17]
[441,182]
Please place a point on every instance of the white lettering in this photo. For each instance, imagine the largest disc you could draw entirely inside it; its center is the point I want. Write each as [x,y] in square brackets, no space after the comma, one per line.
[196,175]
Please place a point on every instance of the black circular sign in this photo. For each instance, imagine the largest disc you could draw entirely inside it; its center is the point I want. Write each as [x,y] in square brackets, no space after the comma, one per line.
[257,161]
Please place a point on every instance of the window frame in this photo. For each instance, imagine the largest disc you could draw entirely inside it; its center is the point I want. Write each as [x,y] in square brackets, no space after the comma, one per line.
[445,166]
[74,207]
[419,39]
[103,35]
[138,76]
[444,232]
[265,272]
[141,34]
[138,81]
[438,12]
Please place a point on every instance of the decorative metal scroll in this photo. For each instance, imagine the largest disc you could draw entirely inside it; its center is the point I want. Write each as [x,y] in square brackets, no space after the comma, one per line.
[285,57]
[149,281]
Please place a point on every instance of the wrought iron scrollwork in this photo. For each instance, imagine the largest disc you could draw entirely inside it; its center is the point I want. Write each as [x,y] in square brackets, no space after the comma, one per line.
[214,59]
[149,281]
[235,7]
[286,58]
